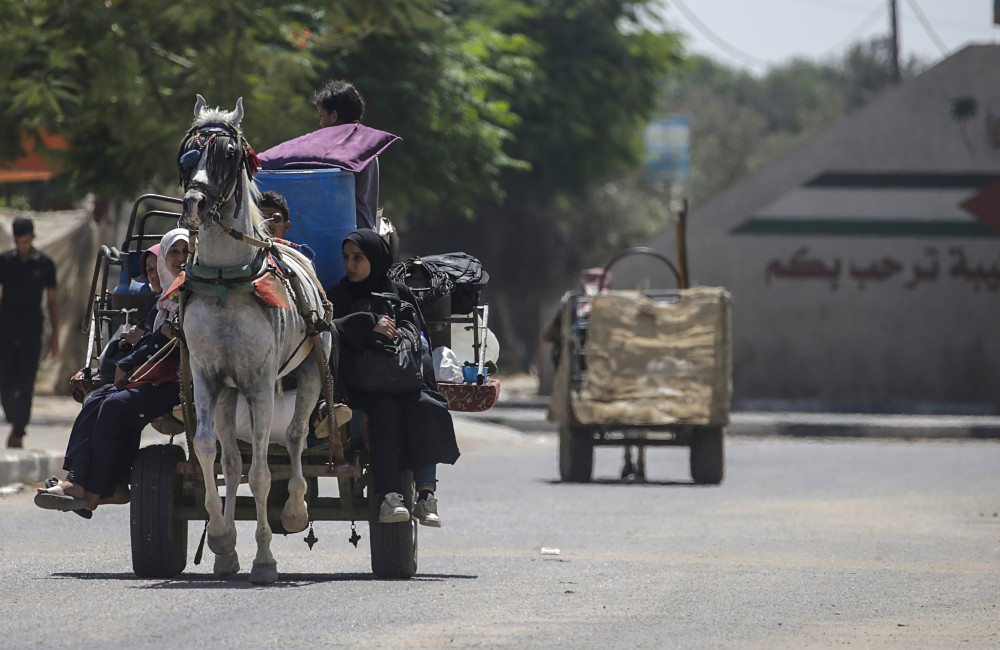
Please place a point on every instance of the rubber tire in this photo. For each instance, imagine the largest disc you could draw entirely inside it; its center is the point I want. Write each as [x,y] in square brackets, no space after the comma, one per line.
[393,546]
[707,455]
[278,495]
[159,537]
[576,454]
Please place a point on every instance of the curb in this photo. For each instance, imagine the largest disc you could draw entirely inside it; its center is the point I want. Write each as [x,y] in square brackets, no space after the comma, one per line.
[800,425]
[883,431]
[839,425]
[29,466]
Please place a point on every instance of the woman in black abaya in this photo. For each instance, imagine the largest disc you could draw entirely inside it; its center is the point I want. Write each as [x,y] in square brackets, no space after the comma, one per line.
[411,430]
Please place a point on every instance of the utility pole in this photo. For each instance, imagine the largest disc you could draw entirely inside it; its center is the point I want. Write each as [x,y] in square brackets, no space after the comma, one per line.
[894,35]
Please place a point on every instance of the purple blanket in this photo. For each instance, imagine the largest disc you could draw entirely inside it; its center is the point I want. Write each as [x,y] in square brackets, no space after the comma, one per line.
[347,146]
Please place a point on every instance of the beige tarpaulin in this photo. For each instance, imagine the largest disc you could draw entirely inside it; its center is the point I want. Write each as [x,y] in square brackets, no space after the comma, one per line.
[71,239]
[651,362]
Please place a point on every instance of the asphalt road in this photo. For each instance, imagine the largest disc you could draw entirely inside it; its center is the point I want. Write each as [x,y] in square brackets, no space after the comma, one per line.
[806,544]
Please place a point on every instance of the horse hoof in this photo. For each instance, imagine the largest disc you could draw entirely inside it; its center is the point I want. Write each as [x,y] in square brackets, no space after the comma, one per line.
[222,544]
[294,522]
[264,574]
[226,564]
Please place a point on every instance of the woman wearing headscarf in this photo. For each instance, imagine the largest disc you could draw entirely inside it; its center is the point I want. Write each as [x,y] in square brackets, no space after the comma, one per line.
[104,441]
[411,430]
[128,336]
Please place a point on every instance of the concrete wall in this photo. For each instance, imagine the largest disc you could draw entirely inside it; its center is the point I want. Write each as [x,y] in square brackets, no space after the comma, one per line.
[896,305]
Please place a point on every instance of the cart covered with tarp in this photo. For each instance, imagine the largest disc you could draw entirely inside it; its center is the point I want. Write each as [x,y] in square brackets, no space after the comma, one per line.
[651,367]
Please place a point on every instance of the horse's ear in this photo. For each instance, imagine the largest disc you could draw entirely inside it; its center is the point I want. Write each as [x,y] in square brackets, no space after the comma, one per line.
[199,105]
[238,113]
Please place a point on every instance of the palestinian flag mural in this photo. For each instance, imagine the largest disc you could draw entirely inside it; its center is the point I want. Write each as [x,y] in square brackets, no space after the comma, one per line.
[849,204]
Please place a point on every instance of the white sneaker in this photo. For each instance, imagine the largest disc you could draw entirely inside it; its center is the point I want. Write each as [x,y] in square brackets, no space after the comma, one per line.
[426,512]
[393,511]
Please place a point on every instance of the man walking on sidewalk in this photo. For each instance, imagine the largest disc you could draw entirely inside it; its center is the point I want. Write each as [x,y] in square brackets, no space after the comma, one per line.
[25,273]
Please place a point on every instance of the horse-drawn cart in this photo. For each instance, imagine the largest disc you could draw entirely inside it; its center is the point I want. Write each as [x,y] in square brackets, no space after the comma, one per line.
[168,488]
[643,368]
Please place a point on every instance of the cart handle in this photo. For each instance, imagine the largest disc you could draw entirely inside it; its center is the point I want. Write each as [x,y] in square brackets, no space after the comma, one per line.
[640,250]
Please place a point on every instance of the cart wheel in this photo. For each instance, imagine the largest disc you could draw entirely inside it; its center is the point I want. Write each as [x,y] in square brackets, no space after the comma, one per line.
[393,546]
[576,453]
[278,495]
[707,462]
[159,536]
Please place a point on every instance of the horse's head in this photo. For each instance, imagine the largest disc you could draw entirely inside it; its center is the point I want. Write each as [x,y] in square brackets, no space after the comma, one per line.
[210,159]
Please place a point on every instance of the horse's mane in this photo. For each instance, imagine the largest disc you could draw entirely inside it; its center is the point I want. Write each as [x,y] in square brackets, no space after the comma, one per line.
[214,116]
[289,251]
[256,216]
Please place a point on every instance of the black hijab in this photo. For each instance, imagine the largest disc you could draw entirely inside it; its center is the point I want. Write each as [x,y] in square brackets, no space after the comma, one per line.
[379,257]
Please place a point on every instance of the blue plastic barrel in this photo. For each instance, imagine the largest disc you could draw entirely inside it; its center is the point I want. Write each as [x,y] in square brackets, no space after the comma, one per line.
[321,202]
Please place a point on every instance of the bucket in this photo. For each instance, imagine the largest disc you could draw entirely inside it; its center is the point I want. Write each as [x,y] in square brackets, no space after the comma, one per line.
[321,203]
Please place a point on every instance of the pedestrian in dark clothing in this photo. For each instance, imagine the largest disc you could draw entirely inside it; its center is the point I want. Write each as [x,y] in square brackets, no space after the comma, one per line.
[411,430]
[25,274]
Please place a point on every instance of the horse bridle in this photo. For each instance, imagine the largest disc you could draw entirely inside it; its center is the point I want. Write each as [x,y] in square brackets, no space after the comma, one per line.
[203,136]
[196,143]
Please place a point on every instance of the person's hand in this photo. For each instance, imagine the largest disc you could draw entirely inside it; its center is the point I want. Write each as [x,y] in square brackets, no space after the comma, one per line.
[132,336]
[120,377]
[167,331]
[386,326]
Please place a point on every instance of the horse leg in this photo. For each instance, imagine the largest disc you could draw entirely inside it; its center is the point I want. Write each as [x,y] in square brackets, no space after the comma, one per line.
[261,404]
[232,468]
[295,514]
[221,533]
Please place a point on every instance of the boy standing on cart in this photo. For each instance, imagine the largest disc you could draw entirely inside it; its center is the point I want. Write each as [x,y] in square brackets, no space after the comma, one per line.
[342,142]
[340,103]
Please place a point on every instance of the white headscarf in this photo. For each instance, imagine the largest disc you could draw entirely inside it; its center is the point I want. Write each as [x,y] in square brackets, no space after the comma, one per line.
[167,308]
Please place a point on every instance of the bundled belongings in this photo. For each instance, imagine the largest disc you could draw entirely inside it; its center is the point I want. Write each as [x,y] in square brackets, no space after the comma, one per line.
[648,361]
[432,277]
[350,147]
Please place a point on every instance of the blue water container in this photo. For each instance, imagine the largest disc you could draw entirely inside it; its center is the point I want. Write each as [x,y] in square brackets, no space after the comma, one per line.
[321,202]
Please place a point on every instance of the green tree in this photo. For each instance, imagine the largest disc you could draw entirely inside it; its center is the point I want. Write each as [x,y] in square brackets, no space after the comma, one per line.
[118,80]
[582,109]
[442,85]
[741,122]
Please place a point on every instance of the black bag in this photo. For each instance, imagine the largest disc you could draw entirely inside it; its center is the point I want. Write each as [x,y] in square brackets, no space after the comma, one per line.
[465,271]
[427,282]
[391,366]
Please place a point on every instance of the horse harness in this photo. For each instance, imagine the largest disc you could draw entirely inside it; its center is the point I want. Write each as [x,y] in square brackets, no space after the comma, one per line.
[221,282]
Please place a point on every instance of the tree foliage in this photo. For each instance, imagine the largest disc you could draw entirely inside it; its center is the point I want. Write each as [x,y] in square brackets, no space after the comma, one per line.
[521,120]
[598,69]
[741,122]
[118,80]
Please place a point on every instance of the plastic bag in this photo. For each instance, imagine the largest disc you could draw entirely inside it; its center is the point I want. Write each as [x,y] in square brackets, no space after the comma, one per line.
[447,367]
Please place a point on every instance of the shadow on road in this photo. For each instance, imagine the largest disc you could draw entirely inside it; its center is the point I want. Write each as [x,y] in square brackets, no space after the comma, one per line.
[241,580]
[629,482]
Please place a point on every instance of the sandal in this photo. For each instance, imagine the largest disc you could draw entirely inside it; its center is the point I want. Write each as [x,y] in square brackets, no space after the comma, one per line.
[53,500]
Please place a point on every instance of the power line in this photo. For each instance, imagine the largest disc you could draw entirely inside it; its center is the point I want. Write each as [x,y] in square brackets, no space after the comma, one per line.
[837,4]
[864,25]
[927,26]
[737,54]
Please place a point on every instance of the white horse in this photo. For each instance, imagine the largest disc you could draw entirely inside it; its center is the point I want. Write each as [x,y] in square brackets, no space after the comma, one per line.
[236,344]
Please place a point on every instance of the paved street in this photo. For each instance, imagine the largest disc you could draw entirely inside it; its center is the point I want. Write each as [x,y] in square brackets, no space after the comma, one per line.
[808,543]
